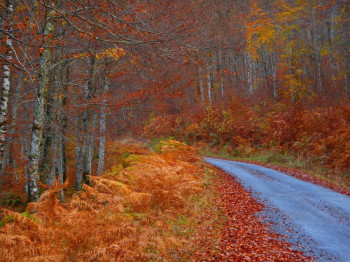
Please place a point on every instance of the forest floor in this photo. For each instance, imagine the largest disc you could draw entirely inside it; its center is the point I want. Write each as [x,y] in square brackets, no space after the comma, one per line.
[151,205]
[241,235]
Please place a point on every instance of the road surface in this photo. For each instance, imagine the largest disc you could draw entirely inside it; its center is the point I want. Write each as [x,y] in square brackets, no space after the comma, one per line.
[315,219]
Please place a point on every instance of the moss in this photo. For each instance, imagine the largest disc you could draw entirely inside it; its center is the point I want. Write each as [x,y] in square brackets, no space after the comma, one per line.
[6,202]
[12,200]
[16,203]
[6,219]
[28,215]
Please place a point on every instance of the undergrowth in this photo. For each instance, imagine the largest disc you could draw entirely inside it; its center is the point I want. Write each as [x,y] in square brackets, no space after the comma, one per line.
[145,208]
[315,139]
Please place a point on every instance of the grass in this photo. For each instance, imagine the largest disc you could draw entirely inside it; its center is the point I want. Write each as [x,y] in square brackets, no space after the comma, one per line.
[285,160]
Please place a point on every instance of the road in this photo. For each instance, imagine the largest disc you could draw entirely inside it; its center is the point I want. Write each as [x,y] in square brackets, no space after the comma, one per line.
[315,219]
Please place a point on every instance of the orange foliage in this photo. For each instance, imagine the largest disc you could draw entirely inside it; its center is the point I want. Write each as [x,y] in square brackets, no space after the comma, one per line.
[320,135]
[124,215]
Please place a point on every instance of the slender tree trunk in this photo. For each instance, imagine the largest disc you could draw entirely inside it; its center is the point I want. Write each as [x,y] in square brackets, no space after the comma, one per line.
[6,81]
[48,133]
[89,151]
[200,80]
[61,164]
[220,73]
[39,114]
[101,158]
[209,82]
[9,149]
[274,77]
[250,73]
[79,173]
[51,177]
[86,147]
[65,76]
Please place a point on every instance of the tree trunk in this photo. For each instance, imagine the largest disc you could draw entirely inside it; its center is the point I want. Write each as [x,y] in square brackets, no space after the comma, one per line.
[209,82]
[51,177]
[65,76]
[79,173]
[89,150]
[39,114]
[48,133]
[220,73]
[17,94]
[101,155]
[250,73]
[200,82]
[6,84]
[61,164]
[274,76]
[86,146]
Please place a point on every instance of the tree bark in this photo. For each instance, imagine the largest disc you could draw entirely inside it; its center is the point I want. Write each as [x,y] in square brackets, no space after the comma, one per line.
[86,146]
[79,173]
[200,80]
[39,113]
[17,94]
[65,76]
[220,73]
[6,81]
[250,74]
[101,158]
[209,82]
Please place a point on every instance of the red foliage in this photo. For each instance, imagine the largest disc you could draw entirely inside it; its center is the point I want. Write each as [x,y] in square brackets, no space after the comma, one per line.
[244,237]
[319,135]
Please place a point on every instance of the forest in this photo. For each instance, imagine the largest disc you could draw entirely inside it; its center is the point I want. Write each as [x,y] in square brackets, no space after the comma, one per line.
[108,106]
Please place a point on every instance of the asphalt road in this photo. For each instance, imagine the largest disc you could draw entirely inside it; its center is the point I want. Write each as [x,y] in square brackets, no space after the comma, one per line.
[315,219]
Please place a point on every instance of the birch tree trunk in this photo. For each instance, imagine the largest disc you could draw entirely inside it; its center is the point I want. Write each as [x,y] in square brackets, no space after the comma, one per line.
[9,149]
[200,80]
[101,155]
[250,73]
[220,73]
[209,82]
[39,113]
[6,75]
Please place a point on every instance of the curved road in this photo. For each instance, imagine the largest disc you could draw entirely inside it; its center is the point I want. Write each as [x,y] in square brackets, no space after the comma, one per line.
[315,219]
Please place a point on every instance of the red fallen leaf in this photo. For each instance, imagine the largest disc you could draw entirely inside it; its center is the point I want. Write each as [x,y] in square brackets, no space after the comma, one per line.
[244,237]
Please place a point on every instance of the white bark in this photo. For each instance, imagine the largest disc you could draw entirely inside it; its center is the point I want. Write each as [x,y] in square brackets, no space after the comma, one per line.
[201,90]
[209,82]
[39,114]
[250,73]
[220,70]
[6,82]
[101,155]
[17,94]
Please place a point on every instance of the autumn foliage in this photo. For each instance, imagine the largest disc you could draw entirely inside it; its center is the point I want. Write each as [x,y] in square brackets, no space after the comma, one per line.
[128,214]
[320,135]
